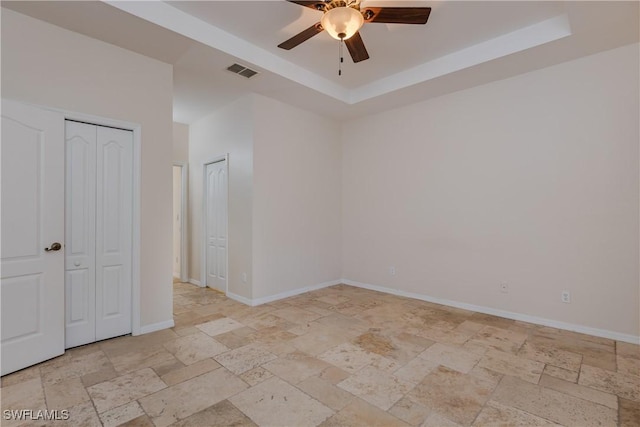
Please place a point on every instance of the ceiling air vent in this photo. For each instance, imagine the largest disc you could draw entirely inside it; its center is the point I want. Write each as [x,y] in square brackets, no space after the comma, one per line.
[242,70]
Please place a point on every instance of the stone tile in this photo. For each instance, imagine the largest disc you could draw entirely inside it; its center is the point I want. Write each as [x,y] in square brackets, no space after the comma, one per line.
[141,421]
[444,336]
[494,321]
[319,340]
[376,387]
[83,414]
[296,315]
[118,391]
[629,413]
[551,356]
[497,414]
[563,374]
[295,367]
[269,403]
[627,350]
[410,411]
[552,405]
[191,396]
[452,357]
[69,366]
[99,376]
[508,364]
[359,413]
[333,375]
[348,325]
[582,392]
[219,326]
[122,414]
[400,347]
[128,344]
[244,358]
[220,414]
[499,339]
[232,340]
[255,376]
[189,371]
[195,347]
[23,375]
[153,355]
[271,335]
[625,386]
[598,354]
[437,420]
[487,375]
[64,394]
[416,370]
[628,365]
[326,393]
[352,358]
[28,394]
[168,366]
[452,394]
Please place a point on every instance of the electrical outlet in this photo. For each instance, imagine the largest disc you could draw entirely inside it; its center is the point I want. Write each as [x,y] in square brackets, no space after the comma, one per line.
[504,288]
[392,271]
[566,297]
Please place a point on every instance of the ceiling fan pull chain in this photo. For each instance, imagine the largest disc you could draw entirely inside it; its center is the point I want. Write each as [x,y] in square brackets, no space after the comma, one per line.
[341,58]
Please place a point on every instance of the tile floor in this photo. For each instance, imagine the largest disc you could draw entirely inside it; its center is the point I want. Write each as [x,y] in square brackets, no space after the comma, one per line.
[339,356]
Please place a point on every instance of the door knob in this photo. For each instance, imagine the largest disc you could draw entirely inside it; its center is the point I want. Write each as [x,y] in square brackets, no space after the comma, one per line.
[54,247]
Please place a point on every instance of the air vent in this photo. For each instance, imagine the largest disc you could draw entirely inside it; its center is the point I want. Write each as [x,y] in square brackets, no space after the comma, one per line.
[242,70]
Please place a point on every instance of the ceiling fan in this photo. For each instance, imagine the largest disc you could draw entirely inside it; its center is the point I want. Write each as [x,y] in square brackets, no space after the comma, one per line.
[342,19]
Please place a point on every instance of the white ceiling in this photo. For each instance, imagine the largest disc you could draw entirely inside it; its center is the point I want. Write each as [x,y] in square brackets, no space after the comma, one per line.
[465,43]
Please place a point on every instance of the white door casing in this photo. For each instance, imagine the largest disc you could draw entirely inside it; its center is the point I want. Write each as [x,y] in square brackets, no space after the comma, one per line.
[99,231]
[32,219]
[215,221]
[177,221]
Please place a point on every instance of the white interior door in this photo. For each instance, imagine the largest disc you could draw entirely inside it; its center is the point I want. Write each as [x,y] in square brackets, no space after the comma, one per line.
[114,232]
[32,283]
[80,226]
[216,225]
[98,232]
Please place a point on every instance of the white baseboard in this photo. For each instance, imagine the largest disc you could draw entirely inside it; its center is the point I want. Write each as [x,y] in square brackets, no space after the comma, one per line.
[282,295]
[633,339]
[146,329]
[195,282]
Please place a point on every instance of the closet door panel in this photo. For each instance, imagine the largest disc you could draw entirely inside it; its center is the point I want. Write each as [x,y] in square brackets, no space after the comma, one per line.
[113,232]
[80,224]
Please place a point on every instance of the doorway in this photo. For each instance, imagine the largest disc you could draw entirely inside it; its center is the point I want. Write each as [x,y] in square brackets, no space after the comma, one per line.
[215,226]
[179,222]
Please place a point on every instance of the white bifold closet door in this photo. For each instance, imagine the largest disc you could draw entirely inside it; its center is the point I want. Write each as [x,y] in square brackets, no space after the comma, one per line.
[98,231]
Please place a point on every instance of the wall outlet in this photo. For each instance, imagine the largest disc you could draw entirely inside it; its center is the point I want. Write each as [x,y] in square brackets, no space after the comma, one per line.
[244,277]
[392,271]
[504,288]
[566,297]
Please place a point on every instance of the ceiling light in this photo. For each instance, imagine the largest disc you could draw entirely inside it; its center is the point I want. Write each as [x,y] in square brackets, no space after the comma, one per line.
[342,22]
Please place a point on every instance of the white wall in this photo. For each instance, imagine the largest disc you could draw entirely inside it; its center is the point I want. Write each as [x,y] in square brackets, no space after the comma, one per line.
[531,180]
[46,65]
[180,142]
[296,198]
[225,131]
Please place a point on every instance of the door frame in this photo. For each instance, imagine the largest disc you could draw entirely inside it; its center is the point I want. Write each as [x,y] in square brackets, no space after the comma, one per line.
[184,167]
[136,327]
[203,266]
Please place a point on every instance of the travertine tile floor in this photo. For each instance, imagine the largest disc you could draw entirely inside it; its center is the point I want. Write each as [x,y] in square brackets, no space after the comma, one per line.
[339,356]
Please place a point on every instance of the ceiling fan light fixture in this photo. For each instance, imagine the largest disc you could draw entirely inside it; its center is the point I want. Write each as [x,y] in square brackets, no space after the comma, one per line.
[342,22]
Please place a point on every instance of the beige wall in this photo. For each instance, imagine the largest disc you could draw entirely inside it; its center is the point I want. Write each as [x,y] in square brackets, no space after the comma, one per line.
[180,142]
[296,202]
[49,66]
[532,181]
[225,131]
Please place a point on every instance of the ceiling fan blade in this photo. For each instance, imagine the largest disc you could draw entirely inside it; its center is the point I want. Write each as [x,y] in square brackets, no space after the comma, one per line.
[356,48]
[314,4]
[301,37]
[397,15]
